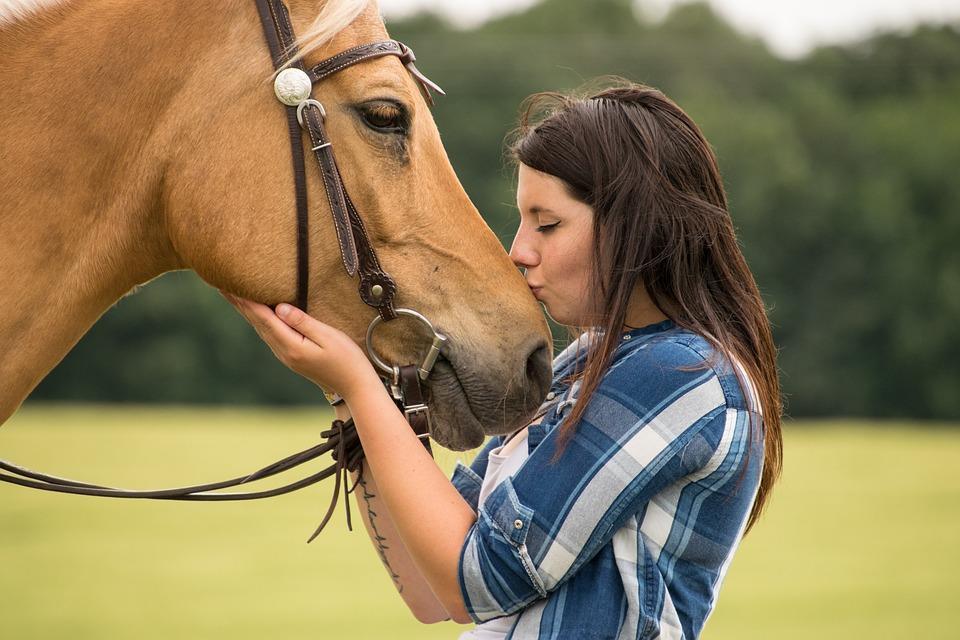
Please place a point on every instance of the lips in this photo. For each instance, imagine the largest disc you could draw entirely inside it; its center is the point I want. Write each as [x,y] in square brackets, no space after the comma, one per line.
[535,291]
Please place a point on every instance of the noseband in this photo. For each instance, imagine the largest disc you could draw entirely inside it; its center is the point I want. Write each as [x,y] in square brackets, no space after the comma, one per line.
[293,86]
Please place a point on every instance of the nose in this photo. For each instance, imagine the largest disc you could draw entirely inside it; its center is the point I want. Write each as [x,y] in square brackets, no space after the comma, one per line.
[522,252]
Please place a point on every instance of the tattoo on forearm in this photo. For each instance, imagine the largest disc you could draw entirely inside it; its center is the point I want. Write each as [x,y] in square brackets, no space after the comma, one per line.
[380,540]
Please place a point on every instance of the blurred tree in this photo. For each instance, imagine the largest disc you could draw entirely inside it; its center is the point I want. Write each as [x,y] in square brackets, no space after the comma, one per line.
[840,169]
[176,340]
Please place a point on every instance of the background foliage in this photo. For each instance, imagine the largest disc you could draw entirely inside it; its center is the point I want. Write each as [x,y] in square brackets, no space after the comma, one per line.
[841,169]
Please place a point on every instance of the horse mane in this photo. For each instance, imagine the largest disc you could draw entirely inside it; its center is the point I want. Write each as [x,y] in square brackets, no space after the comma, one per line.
[335,16]
[16,10]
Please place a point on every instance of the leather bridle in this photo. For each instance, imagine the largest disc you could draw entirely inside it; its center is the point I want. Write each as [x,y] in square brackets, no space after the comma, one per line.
[293,87]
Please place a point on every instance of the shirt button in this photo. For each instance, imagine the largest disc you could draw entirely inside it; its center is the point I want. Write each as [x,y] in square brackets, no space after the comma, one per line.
[551,395]
[518,524]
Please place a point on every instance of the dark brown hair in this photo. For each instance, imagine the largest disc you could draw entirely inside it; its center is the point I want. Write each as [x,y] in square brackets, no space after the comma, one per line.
[660,222]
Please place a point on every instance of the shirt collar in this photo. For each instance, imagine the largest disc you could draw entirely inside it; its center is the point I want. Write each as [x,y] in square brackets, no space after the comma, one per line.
[537,432]
[657,327]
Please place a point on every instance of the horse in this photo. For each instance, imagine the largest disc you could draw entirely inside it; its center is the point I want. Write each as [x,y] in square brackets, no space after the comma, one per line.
[143,137]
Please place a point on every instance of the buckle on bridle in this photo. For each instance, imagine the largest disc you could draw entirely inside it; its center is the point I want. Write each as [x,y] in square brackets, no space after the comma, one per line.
[309,102]
[414,410]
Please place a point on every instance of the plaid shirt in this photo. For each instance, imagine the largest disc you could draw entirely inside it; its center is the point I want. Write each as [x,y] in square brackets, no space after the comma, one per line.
[630,533]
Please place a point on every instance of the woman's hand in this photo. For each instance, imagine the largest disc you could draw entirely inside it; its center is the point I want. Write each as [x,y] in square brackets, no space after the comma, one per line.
[430,516]
[320,353]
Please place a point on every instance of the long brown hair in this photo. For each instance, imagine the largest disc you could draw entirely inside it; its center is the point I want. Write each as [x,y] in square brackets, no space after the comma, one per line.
[661,222]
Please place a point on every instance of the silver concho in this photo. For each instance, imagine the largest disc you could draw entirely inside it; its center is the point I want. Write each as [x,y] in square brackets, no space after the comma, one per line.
[292,86]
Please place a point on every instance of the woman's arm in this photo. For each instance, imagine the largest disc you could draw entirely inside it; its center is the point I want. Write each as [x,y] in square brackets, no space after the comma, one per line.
[411,586]
[430,515]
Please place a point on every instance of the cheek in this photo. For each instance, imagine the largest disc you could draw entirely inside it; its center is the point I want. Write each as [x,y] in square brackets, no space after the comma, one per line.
[567,267]
[579,258]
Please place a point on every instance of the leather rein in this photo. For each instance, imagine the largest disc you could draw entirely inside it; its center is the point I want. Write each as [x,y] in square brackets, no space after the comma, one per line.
[293,87]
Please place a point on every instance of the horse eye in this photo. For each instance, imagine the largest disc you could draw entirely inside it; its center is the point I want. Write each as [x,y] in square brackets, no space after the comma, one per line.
[384,117]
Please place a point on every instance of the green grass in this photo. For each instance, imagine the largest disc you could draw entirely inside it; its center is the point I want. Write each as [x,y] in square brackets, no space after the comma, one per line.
[860,541]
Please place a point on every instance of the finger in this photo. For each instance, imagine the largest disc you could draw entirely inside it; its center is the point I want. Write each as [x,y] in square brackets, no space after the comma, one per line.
[303,323]
[278,336]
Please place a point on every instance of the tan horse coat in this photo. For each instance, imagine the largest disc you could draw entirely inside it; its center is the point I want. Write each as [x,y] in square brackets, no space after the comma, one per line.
[139,137]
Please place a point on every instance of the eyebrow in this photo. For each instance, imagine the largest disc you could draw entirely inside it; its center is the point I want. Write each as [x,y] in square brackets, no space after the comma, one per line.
[535,210]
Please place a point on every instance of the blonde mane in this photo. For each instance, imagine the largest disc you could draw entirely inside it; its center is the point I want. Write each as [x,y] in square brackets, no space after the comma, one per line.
[16,10]
[334,17]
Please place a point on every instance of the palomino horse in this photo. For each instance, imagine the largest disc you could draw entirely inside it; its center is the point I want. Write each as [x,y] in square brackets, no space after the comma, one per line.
[140,137]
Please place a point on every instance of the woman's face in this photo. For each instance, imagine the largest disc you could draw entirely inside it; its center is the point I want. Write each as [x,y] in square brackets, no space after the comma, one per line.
[554,246]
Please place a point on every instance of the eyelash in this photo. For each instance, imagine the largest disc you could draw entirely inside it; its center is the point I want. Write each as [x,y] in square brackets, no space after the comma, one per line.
[546,227]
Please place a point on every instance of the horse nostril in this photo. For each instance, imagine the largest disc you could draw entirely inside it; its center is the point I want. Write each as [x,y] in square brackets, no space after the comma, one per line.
[539,369]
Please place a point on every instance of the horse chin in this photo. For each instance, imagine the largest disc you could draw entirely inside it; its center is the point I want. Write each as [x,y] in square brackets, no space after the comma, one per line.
[454,424]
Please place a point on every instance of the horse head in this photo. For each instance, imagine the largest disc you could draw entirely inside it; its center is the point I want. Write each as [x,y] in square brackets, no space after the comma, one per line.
[229,212]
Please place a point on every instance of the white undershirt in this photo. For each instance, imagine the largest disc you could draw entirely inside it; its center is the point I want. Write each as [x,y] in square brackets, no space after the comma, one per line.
[503,462]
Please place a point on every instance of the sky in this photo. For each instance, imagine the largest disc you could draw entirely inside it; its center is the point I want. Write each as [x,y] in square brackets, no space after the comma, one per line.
[789,27]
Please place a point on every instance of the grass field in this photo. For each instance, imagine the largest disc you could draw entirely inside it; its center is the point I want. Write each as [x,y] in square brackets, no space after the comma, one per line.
[862,539]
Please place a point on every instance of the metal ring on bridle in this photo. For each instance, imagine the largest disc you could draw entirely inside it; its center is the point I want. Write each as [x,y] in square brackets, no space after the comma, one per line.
[424,369]
[309,101]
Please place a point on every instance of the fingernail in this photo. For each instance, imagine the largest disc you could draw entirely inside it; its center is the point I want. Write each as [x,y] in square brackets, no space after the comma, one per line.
[283,309]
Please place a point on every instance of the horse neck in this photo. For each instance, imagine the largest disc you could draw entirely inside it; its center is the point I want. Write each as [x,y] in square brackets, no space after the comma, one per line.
[84,88]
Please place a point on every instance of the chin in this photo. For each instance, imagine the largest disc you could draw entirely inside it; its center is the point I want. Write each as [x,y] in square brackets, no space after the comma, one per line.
[559,318]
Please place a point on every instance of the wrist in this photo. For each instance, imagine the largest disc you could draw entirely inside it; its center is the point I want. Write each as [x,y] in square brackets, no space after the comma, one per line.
[362,390]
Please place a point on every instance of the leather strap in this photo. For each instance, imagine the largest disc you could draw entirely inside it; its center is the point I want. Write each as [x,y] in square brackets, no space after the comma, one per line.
[415,405]
[341,439]
[356,250]
[280,39]
[368,51]
[200,492]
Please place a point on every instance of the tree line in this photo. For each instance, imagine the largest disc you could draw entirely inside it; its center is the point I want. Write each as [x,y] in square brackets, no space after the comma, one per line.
[840,167]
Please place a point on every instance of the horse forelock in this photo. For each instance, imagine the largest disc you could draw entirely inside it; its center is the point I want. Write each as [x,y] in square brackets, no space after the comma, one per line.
[16,10]
[334,17]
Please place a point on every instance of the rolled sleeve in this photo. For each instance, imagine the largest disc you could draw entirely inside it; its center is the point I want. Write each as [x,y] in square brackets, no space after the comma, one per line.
[468,483]
[468,480]
[496,574]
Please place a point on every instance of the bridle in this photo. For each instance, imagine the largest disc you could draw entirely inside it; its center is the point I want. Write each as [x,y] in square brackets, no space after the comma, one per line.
[293,87]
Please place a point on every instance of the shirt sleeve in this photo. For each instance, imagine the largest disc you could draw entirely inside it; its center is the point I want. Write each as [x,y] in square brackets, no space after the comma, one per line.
[468,480]
[645,428]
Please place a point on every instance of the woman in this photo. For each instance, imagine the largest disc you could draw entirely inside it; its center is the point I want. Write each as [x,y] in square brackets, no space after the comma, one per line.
[617,511]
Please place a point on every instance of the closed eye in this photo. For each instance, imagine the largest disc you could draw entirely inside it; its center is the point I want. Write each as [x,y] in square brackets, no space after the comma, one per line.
[384,116]
[545,228]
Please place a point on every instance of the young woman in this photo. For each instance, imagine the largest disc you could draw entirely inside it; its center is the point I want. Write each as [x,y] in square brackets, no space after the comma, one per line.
[616,512]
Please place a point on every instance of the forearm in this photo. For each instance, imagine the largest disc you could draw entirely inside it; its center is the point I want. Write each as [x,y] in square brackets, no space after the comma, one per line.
[429,514]
[410,584]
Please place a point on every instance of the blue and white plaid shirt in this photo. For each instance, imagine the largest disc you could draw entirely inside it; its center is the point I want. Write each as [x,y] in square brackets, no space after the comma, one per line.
[630,533]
